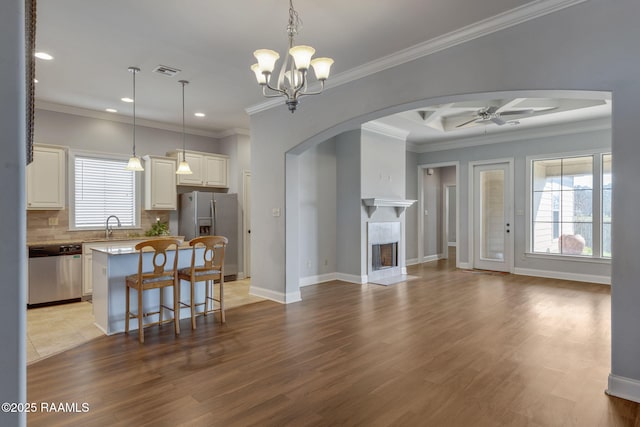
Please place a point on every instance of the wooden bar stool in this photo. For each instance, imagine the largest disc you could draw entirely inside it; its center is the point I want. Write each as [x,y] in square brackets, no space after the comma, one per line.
[159,278]
[211,269]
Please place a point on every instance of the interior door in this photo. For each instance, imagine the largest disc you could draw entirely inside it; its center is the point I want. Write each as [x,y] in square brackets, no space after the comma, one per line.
[247,222]
[492,236]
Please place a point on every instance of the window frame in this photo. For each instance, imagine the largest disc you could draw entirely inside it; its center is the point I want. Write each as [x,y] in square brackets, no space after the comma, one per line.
[72,189]
[597,208]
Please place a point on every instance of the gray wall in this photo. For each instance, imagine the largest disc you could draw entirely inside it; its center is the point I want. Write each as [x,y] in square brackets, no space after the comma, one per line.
[519,150]
[12,211]
[432,196]
[238,148]
[348,205]
[318,199]
[411,213]
[108,136]
[588,46]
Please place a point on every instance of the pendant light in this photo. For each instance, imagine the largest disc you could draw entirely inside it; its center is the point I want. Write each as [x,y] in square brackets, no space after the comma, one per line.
[183,168]
[134,162]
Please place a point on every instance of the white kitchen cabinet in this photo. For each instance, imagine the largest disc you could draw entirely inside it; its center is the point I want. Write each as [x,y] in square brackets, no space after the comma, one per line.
[209,170]
[216,167]
[160,191]
[46,178]
[196,163]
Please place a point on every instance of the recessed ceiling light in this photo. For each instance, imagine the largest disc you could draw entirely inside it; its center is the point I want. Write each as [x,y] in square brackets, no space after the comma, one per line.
[125,99]
[111,110]
[35,80]
[44,55]
[199,114]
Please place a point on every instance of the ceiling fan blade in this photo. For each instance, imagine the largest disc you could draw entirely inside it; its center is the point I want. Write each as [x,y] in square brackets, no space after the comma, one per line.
[498,121]
[466,123]
[516,112]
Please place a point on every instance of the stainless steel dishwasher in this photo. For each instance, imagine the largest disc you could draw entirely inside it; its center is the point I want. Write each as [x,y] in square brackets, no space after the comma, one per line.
[55,274]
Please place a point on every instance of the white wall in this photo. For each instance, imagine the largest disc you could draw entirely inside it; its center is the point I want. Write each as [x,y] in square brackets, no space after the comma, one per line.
[589,46]
[12,211]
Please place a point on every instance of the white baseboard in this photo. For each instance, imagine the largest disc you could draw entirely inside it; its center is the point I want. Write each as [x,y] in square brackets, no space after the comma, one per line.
[404,270]
[453,244]
[430,258]
[625,388]
[412,261]
[603,280]
[314,280]
[240,276]
[465,266]
[352,278]
[272,295]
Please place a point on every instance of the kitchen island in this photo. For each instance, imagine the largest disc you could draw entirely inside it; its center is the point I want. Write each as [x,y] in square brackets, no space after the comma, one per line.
[110,266]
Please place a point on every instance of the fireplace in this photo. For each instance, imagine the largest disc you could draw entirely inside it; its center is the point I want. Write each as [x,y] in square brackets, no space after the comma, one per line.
[384,255]
[384,240]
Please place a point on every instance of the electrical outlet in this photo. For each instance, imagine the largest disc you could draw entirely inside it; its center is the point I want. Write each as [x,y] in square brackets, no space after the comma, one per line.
[308,264]
[53,220]
[275,211]
[326,262]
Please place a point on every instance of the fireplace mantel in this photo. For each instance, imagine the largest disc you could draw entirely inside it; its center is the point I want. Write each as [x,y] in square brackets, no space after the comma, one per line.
[399,204]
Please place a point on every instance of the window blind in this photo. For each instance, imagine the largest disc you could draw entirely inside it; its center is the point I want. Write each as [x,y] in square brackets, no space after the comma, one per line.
[103,187]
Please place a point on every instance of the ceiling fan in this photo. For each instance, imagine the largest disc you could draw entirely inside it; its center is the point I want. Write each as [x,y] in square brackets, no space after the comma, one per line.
[495,115]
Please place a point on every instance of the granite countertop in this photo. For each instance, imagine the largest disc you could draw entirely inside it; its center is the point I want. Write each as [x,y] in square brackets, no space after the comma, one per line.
[97,240]
[130,249]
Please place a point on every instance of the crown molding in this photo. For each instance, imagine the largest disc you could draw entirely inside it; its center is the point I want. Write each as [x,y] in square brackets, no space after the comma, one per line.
[583,126]
[476,30]
[386,130]
[112,117]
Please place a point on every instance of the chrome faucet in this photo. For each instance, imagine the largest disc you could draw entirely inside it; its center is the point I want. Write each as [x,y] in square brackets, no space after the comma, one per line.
[108,231]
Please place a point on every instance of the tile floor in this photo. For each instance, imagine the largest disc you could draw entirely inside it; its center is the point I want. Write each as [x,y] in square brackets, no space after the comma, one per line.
[51,330]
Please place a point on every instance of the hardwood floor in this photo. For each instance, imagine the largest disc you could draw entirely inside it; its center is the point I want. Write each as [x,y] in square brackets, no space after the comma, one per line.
[451,348]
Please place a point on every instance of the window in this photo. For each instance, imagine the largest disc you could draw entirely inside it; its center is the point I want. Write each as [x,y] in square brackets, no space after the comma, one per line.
[103,187]
[566,202]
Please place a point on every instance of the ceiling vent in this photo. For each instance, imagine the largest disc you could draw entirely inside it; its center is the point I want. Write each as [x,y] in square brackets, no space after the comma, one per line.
[166,71]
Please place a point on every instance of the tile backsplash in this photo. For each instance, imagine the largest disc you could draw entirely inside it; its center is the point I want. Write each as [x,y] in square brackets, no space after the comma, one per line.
[40,230]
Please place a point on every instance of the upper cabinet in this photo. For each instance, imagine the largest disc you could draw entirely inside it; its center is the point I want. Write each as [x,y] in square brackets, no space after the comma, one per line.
[209,170]
[160,183]
[46,178]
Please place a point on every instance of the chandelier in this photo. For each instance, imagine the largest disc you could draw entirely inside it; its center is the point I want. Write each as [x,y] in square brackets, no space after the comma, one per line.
[292,79]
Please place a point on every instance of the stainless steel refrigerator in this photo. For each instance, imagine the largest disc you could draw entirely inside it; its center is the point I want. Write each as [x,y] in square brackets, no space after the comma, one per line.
[211,214]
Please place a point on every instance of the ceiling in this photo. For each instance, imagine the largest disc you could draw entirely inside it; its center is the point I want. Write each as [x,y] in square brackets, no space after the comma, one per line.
[94,42]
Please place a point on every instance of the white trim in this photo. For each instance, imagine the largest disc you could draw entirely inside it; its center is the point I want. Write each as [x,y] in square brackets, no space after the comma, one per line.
[385,130]
[240,275]
[510,189]
[452,244]
[476,30]
[563,275]
[570,258]
[412,261]
[465,266]
[573,128]
[352,278]
[276,296]
[625,388]
[314,280]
